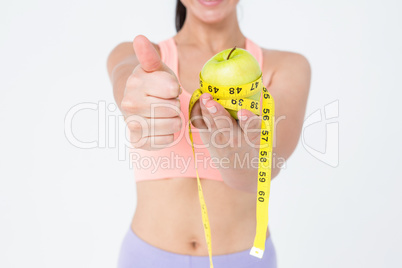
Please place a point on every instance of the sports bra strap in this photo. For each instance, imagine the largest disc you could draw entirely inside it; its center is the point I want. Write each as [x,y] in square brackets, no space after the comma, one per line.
[255,50]
[169,54]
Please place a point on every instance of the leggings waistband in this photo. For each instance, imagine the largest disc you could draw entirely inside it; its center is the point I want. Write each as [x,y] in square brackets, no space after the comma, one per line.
[137,253]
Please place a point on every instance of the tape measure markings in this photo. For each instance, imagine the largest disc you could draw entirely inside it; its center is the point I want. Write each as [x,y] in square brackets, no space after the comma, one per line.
[235,98]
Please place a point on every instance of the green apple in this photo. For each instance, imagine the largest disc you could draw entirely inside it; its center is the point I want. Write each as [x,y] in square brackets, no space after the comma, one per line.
[232,67]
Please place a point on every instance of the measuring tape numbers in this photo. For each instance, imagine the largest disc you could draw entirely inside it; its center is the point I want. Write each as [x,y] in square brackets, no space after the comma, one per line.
[236,98]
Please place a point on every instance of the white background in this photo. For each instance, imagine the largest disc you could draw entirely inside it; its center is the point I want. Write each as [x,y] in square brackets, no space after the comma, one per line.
[62,206]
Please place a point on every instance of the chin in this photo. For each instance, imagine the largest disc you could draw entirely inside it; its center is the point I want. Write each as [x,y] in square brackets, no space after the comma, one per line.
[211,17]
[211,11]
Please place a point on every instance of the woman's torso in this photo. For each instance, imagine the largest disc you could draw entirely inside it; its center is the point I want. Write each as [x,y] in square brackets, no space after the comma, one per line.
[168,214]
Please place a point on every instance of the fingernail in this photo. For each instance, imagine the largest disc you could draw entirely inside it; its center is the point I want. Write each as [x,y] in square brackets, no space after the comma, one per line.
[204,100]
[212,109]
[242,117]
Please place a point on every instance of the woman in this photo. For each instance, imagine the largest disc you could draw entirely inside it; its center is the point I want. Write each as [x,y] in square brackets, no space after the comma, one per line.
[167,229]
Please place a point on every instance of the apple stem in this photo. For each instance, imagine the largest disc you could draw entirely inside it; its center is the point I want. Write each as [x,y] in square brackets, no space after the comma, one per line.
[231,52]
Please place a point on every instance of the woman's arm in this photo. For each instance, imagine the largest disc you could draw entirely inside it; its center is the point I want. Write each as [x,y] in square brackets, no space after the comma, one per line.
[289,87]
[120,65]
[140,81]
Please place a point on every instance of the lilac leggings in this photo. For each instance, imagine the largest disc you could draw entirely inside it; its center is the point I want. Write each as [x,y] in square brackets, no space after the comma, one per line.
[136,253]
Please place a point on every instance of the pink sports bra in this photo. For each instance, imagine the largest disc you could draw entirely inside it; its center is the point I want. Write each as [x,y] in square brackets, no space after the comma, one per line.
[177,160]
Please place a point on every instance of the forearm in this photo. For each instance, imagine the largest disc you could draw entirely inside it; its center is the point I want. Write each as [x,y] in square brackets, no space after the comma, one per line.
[293,79]
[241,171]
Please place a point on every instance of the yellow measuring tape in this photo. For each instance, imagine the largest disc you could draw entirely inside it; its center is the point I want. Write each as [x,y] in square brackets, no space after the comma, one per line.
[235,98]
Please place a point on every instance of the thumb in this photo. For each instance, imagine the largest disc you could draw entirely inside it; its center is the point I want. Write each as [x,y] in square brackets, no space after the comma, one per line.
[146,54]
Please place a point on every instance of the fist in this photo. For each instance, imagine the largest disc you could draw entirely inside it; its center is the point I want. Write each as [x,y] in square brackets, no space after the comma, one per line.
[150,105]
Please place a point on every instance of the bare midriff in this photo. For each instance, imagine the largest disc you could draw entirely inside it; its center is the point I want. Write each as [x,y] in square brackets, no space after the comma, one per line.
[168,216]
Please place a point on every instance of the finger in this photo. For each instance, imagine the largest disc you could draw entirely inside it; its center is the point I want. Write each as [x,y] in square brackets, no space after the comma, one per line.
[221,117]
[153,127]
[159,84]
[146,54]
[162,84]
[250,124]
[205,113]
[196,116]
[223,125]
[163,108]
[150,107]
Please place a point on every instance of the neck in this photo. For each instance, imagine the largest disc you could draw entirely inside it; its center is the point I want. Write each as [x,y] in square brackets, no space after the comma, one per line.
[211,37]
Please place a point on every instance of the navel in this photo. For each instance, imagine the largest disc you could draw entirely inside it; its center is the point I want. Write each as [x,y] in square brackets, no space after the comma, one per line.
[194,245]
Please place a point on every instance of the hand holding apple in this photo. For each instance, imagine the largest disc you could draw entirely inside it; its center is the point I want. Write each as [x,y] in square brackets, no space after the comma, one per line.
[230,89]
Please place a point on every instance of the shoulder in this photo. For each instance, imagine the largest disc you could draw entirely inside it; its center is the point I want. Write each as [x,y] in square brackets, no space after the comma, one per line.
[286,67]
[285,61]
